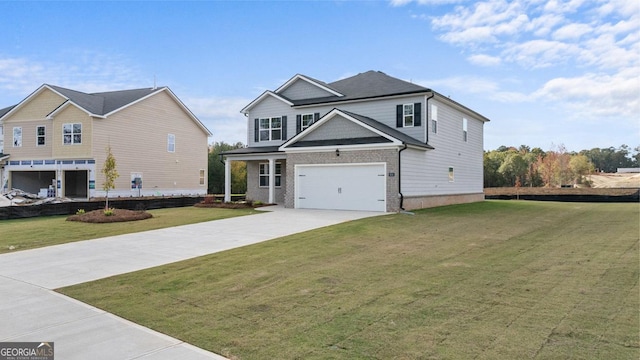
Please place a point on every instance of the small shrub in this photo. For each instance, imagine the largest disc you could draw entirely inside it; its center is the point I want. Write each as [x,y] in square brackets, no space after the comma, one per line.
[108,211]
[209,199]
[80,212]
[257,203]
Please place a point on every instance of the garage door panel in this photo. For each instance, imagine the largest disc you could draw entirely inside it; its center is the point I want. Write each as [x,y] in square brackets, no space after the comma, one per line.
[341,187]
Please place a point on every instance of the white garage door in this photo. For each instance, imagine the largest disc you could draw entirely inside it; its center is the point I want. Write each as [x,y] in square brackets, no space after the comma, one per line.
[341,187]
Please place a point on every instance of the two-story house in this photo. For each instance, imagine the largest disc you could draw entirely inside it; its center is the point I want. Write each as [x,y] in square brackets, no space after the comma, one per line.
[55,141]
[367,142]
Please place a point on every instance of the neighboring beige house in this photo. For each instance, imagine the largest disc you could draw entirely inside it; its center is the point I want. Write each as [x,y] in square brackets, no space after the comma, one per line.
[368,142]
[55,141]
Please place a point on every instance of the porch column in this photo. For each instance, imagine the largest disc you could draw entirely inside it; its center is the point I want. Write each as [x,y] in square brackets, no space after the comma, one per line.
[272,181]
[227,180]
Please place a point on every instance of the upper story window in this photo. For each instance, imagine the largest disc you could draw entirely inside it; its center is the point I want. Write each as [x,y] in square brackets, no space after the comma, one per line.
[72,134]
[465,135]
[171,143]
[271,129]
[408,115]
[434,119]
[40,136]
[307,120]
[17,137]
[1,140]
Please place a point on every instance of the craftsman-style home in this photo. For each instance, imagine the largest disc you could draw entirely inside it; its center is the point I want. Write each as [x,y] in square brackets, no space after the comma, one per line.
[368,142]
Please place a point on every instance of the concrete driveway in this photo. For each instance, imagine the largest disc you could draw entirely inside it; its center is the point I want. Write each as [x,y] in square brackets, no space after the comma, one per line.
[31,311]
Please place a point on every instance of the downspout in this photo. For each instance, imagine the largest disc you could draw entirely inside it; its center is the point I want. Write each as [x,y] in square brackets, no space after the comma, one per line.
[400,175]
[426,120]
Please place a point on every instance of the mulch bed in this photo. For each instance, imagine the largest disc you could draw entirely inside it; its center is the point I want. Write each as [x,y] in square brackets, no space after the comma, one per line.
[119,215]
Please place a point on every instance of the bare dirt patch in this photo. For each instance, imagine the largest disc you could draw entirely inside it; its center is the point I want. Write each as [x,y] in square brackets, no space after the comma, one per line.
[118,215]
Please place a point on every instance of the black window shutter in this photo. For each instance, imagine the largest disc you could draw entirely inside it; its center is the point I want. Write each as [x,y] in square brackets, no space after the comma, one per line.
[284,127]
[316,117]
[256,130]
[417,114]
[399,114]
[298,123]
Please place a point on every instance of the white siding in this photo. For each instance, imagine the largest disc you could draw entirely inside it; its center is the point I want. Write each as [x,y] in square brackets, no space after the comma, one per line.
[303,90]
[428,172]
[339,128]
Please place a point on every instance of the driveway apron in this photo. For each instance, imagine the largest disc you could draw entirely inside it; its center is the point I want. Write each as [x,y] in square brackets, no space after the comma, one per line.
[31,311]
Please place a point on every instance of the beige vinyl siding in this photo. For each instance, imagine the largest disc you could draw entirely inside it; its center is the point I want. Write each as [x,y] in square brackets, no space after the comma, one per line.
[29,150]
[139,144]
[38,107]
[72,115]
[428,172]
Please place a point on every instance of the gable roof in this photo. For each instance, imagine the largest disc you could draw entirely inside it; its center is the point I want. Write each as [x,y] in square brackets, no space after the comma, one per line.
[386,133]
[102,104]
[320,84]
[370,84]
[262,97]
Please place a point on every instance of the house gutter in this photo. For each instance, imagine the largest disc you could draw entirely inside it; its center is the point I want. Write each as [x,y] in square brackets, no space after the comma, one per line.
[404,147]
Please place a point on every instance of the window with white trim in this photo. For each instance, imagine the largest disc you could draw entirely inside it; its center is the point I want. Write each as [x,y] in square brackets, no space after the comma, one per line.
[307,120]
[264,174]
[202,176]
[271,129]
[17,137]
[171,143]
[434,119]
[465,135]
[407,115]
[1,139]
[40,136]
[451,176]
[72,134]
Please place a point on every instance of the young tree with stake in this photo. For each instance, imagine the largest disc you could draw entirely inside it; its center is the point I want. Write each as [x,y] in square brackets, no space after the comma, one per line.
[110,175]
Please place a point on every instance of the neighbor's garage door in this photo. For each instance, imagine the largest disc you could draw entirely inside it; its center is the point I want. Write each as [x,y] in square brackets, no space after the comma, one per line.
[341,187]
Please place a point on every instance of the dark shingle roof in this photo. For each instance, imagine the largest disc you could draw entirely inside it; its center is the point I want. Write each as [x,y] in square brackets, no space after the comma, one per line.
[365,85]
[104,102]
[6,110]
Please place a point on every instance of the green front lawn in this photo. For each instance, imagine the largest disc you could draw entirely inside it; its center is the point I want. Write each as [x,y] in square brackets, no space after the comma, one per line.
[22,234]
[491,280]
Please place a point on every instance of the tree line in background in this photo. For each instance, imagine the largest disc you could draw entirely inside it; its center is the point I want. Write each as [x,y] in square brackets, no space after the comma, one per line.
[216,170]
[523,166]
[505,166]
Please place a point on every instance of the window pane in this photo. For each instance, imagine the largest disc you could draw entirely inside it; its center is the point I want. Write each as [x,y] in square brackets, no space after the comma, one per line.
[275,134]
[264,123]
[67,139]
[264,181]
[40,130]
[408,109]
[77,128]
[278,180]
[264,135]
[77,139]
[40,140]
[264,169]
[275,123]
[66,129]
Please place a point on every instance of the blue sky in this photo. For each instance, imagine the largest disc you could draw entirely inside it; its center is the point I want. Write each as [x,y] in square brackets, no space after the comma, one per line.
[545,72]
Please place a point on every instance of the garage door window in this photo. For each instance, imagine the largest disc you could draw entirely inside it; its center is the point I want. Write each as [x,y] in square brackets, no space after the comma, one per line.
[264,174]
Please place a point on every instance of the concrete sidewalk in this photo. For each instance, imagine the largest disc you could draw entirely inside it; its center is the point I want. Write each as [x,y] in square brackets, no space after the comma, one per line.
[31,311]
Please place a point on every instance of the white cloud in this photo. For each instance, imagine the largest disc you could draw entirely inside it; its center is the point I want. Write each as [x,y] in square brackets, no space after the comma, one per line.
[221,115]
[79,70]
[484,60]
[597,42]
[572,32]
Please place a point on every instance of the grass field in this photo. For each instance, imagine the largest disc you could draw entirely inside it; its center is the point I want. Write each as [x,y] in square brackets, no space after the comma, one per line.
[32,233]
[491,280]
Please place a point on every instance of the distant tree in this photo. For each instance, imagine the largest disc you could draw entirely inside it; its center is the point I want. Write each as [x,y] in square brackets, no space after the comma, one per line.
[580,166]
[216,170]
[110,174]
[513,168]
